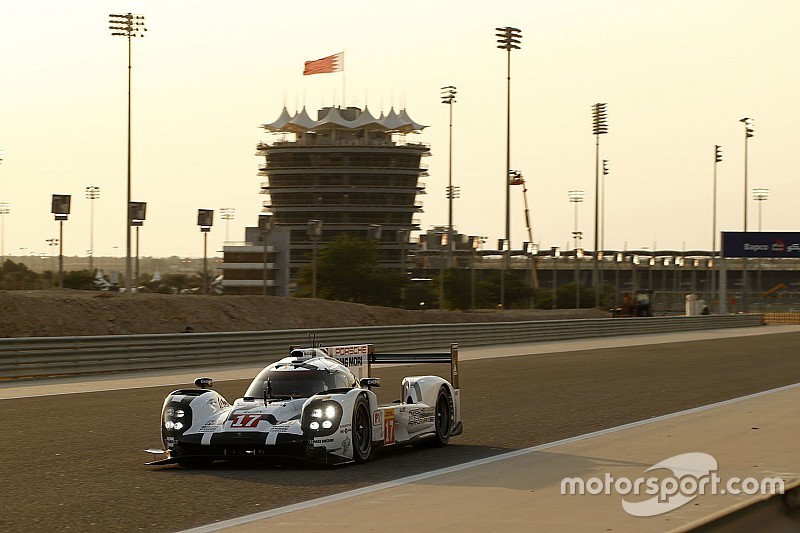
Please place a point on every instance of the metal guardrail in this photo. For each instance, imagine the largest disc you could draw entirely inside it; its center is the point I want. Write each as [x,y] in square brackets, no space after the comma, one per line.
[50,356]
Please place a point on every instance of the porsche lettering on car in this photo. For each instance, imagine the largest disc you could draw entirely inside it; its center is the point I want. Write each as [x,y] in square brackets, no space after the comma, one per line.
[316,404]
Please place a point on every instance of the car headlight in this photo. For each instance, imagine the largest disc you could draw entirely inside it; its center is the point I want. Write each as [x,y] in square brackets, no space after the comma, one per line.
[321,418]
[176,418]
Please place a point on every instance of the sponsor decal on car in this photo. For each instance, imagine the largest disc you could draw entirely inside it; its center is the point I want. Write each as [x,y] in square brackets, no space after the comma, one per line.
[245,420]
[350,356]
[388,427]
[420,416]
[210,427]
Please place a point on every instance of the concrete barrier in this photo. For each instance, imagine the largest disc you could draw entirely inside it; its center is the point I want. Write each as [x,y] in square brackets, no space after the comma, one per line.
[51,356]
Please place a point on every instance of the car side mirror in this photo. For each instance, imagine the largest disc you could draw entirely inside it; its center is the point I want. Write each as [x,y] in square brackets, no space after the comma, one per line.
[204,383]
[369,382]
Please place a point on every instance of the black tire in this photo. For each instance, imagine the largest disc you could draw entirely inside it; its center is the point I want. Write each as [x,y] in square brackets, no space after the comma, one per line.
[443,421]
[362,431]
[195,462]
[186,460]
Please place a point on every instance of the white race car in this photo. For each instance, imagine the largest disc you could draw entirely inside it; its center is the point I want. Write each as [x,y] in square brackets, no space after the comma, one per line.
[316,404]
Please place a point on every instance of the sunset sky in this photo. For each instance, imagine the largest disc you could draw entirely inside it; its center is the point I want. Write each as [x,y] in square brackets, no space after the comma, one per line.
[677,75]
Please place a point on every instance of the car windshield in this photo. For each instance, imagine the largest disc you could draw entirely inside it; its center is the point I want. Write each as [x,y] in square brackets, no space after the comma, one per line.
[287,384]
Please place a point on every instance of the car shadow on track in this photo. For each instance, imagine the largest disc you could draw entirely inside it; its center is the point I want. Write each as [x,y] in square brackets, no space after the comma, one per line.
[387,464]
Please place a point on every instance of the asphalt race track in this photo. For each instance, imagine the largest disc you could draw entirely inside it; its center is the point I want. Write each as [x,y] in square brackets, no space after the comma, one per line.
[74,462]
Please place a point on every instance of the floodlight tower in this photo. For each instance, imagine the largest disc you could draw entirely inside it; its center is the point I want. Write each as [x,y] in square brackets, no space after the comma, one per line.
[714,266]
[127,25]
[449,98]
[227,214]
[508,39]
[576,197]
[92,194]
[599,127]
[748,132]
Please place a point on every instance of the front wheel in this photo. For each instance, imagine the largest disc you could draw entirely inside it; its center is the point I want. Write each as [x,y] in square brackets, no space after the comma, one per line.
[362,431]
[186,460]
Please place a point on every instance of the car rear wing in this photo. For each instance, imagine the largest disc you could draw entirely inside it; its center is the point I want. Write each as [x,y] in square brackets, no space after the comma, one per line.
[360,357]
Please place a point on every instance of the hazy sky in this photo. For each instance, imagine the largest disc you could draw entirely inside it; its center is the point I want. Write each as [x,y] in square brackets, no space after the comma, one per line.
[677,76]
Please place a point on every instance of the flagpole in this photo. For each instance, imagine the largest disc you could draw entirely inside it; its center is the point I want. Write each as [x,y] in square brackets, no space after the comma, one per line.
[344,84]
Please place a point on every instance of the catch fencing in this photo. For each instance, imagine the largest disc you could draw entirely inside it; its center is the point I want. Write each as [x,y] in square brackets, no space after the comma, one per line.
[55,356]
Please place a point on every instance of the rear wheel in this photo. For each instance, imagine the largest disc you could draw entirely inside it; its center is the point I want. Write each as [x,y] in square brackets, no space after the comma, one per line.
[444,418]
[362,431]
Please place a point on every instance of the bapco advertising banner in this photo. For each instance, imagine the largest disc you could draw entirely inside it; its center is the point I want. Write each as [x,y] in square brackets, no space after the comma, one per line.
[760,244]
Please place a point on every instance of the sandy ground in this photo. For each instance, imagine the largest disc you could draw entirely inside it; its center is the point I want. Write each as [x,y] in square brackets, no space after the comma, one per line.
[67,312]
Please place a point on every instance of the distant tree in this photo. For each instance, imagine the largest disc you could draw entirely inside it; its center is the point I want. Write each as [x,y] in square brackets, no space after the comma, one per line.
[79,279]
[458,289]
[518,293]
[178,281]
[421,295]
[347,270]
[17,276]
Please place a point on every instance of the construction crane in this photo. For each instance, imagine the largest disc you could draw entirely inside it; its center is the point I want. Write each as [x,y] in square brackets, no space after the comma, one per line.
[515,178]
[773,292]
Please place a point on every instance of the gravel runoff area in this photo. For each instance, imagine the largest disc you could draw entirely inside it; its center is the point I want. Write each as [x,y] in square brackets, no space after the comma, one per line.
[67,312]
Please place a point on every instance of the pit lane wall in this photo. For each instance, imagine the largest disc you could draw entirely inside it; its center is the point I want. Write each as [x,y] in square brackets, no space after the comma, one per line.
[53,356]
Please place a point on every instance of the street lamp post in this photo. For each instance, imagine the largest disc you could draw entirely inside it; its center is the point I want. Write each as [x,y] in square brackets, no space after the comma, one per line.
[578,257]
[5,208]
[52,242]
[60,209]
[449,98]
[205,219]
[748,132]
[402,239]
[264,227]
[92,194]
[137,215]
[508,39]
[576,197]
[444,243]
[475,242]
[603,174]
[760,195]
[127,25]
[314,233]
[619,258]
[599,127]
[714,262]
[227,214]
[554,255]
[667,294]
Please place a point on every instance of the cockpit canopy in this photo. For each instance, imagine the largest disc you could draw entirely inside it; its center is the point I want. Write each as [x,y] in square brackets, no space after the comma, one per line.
[287,381]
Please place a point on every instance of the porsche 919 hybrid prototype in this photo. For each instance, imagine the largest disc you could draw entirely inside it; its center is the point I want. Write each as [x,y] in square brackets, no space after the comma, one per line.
[316,404]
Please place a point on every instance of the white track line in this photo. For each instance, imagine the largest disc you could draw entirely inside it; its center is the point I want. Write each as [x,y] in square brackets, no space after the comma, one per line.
[247,519]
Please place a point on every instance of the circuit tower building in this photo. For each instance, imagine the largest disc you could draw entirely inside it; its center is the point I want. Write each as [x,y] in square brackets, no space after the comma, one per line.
[355,173]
